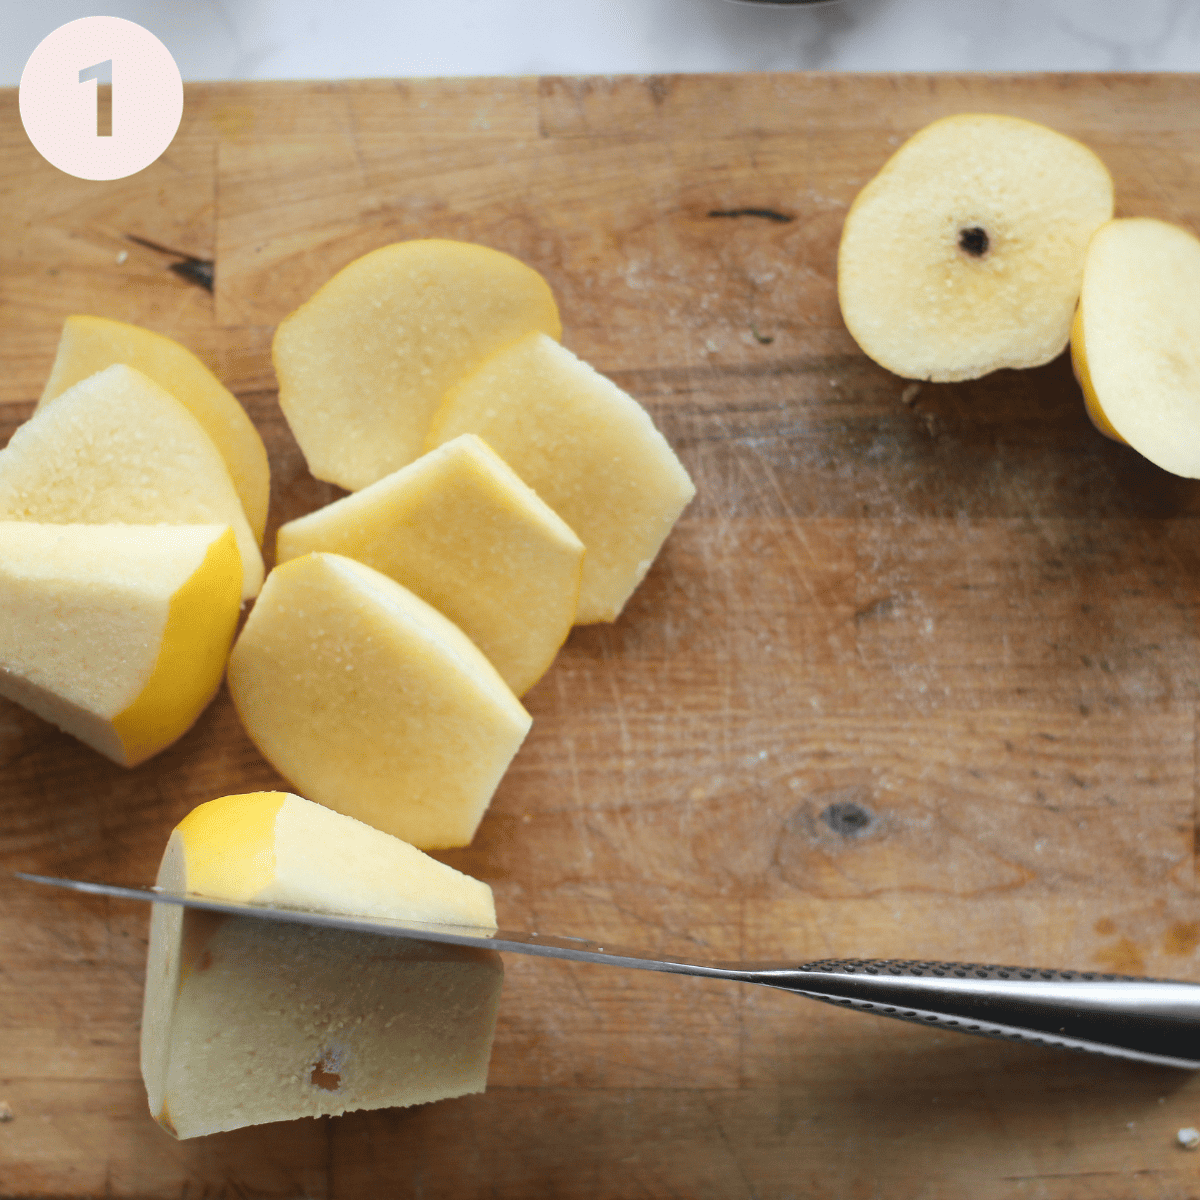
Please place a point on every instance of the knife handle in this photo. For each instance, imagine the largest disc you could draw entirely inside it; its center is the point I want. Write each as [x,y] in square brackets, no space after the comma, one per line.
[1148,1020]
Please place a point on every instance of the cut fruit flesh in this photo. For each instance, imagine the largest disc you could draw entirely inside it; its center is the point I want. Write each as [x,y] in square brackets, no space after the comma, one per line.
[89,344]
[462,531]
[965,253]
[587,448]
[1136,340]
[363,365]
[372,703]
[277,848]
[117,634]
[247,1020]
[118,448]
[1079,365]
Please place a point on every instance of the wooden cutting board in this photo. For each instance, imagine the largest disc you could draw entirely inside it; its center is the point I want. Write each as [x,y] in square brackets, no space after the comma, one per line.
[916,675]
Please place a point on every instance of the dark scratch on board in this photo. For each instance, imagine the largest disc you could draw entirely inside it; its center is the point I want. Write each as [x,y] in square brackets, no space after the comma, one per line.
[199,271]
[767,214]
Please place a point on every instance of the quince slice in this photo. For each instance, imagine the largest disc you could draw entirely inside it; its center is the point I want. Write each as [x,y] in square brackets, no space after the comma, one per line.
[587,448]
[372,703]
[89,344]
[117,448]
[364,364]
[461,530]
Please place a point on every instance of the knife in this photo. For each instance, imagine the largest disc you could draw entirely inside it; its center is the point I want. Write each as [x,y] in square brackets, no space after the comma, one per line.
[1147,1020]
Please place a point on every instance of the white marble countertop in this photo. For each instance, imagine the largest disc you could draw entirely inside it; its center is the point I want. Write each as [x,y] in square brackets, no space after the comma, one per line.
[320,39]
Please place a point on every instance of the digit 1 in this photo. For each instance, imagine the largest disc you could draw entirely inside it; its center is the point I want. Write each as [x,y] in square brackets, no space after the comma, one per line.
[101,73]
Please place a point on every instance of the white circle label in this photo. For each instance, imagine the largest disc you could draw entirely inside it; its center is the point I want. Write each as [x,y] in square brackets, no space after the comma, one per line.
[73,125]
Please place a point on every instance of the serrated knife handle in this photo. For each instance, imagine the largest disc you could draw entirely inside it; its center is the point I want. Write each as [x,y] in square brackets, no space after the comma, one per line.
[1148,1020]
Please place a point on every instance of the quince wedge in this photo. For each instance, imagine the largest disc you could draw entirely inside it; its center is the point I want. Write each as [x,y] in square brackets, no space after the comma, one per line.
[1135,343]
[117,634]
[372,703]
[118,448]
[89,344]
[587,448]
[459,529]
[964,254]
[364,363]
[247,1020]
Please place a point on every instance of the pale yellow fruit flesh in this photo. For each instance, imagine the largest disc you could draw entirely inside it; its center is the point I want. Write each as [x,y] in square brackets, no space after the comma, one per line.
[1079,365]
[363,365]
[1136,344]
[463,532]
[370,702]
[246,1021]
[919,303]
[277,848]
[117,448]
[587,448]
[89,344]
[117,634]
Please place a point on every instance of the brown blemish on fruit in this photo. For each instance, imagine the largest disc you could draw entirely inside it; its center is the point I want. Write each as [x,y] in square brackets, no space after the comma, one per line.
[323,1075]
[164,1119]
[1123,957]
[973,241]
[1105,926]
[205,961]
[199,928]
[1182,938]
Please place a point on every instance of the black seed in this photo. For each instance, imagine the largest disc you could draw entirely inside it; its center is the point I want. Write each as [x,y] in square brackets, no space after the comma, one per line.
[974,241]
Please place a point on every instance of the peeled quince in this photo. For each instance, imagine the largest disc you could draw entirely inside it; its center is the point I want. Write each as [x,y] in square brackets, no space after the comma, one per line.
[247,1020]
[117,634]
[364,364]
[372,703]
[89,344]
[114,448]
[462,531]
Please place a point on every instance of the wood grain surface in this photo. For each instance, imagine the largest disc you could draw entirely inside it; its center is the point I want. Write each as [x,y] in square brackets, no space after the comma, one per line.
[916,675]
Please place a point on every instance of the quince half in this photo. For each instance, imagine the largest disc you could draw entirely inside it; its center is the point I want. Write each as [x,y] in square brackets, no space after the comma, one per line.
[965,253]
[1135,344]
